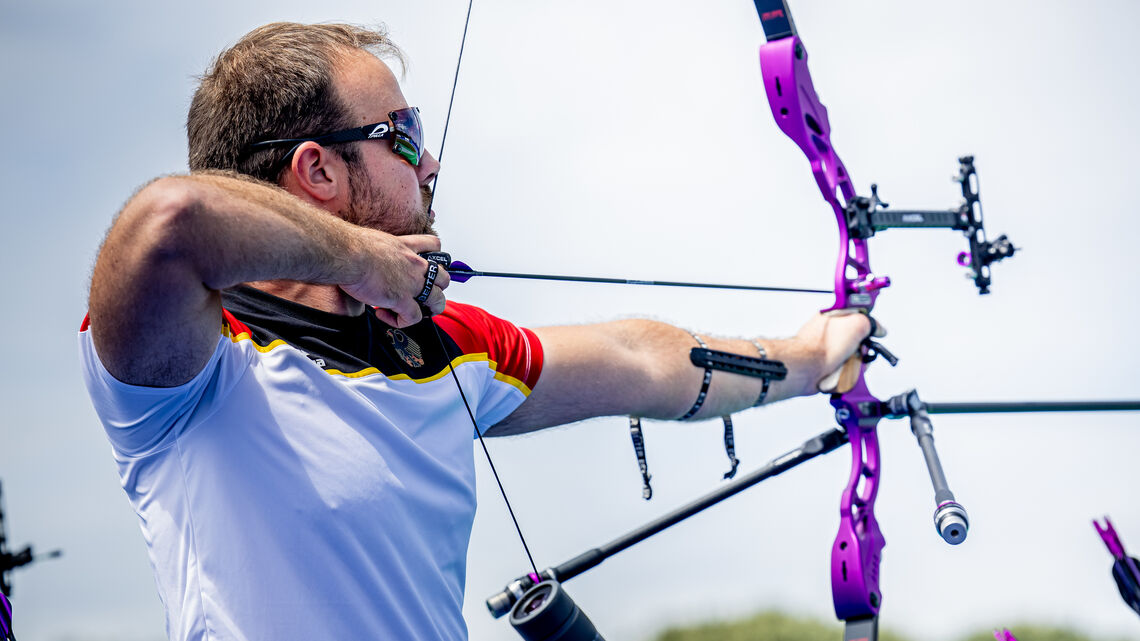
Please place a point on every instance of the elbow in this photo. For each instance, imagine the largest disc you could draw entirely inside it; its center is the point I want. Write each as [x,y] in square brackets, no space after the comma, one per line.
[152,233]
[163,213]
[157,227]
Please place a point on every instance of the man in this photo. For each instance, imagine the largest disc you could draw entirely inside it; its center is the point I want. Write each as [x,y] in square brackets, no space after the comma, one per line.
[281,413]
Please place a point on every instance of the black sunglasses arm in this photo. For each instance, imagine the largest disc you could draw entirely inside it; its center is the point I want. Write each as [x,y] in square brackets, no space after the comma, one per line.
[375,130]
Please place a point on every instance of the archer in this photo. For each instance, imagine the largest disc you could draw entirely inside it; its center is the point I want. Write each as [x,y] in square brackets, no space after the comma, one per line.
[275,363]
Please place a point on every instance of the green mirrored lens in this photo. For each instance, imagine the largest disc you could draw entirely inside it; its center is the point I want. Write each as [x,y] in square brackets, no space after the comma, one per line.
[406,150]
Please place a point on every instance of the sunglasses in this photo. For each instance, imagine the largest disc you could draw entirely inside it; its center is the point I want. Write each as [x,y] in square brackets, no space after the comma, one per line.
[402,127]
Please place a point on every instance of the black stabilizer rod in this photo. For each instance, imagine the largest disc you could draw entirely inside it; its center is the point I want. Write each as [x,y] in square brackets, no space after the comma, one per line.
[501,603]
[816,446]
[1033,406]
[950,518]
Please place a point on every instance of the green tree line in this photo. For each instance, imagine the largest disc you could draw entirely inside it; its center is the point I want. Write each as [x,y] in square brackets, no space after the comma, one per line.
[779,626]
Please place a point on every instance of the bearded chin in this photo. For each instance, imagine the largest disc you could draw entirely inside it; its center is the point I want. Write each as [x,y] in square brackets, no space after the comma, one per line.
[423,217]
[370,208]
[425,212]
[427,227]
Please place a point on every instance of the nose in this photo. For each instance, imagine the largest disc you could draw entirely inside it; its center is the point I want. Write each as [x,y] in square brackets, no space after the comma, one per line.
[427,169]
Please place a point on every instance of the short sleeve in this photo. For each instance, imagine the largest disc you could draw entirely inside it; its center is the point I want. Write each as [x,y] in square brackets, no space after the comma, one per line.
[142,420]
[513,352]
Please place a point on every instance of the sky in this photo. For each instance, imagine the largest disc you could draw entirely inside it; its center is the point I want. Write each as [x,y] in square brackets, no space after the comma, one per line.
[633,139]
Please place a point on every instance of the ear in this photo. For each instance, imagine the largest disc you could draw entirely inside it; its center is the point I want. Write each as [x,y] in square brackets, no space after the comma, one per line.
[319,173]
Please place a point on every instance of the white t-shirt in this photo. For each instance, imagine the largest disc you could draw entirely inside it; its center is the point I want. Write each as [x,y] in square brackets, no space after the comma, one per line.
[316,479]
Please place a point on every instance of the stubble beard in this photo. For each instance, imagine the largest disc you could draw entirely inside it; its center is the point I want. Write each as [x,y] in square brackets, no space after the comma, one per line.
[370,207]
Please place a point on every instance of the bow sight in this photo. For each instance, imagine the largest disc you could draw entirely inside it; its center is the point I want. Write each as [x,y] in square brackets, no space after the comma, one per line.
[865,216]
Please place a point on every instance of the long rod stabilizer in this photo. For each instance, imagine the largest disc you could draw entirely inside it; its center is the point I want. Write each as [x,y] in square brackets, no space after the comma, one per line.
[1033,406]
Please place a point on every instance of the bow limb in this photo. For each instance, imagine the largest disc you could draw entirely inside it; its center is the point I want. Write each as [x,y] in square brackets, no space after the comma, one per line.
[799,113]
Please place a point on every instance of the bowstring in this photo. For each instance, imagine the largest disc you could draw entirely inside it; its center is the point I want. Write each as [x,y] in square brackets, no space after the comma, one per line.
[439,337]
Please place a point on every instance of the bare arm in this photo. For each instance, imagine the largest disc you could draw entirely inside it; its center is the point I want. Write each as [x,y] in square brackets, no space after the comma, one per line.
[155,306]
[642,368]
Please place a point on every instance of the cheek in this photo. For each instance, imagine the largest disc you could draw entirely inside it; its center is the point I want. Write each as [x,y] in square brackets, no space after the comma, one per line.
[389,175]
[395,176]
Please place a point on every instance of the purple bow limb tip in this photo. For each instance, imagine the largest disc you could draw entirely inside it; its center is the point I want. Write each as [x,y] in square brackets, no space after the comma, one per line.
[5,617]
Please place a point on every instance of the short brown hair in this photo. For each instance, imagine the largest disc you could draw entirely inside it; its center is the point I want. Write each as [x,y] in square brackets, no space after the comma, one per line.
[276,82]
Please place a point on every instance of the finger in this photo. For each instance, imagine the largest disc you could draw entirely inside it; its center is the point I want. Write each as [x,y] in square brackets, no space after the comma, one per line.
[436,302]
[443,279]
[421,242]
[401,315]
[869,326]
[386,316]
[434,270]
[877,328]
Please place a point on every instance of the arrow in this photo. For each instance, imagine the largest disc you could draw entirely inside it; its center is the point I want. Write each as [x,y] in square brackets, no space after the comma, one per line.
[461,272]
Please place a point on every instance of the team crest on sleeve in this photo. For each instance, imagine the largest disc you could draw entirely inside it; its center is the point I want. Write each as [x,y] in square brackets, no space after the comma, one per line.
[408,349]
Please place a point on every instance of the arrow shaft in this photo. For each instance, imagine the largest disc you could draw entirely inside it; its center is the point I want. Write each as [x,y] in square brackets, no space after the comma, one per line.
[631,281]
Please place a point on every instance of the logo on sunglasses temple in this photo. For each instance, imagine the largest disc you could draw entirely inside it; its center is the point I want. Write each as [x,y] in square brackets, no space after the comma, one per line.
[379,131]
